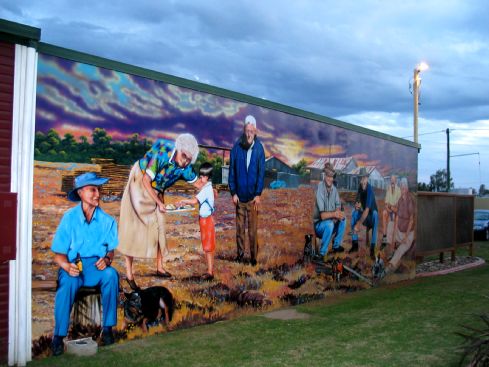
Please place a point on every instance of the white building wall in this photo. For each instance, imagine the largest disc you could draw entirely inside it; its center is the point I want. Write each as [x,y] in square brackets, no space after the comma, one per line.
[20,287]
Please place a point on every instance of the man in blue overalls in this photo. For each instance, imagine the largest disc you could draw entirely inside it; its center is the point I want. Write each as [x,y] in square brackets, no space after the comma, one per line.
[84,246]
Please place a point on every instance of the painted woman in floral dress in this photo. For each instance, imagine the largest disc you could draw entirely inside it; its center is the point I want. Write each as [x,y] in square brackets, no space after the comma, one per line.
[142,222]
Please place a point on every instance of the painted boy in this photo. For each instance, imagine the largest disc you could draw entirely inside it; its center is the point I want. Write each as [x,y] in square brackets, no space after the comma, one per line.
[205,199]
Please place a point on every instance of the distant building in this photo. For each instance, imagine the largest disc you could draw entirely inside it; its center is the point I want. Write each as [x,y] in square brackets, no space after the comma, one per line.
[278,170]
[347,173]
[224,175]
[342,167]
[275,164]
[375,178]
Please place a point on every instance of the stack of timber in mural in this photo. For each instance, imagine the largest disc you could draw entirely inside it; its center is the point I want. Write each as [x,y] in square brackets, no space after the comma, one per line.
[118,175]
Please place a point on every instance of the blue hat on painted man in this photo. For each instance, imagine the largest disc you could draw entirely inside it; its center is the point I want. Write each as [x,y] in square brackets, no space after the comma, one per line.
[85,179]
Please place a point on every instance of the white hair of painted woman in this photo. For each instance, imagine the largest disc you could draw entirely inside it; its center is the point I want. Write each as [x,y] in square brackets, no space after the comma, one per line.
[187,143]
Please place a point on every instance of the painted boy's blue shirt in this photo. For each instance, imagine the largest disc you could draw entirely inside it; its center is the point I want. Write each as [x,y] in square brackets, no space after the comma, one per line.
[75,235]
[206,200]
[159,164]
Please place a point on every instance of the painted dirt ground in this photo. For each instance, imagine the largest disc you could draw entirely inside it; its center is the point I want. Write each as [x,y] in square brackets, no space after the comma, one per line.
[279,279]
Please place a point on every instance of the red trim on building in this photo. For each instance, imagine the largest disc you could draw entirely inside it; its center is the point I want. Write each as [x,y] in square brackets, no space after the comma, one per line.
[7,64]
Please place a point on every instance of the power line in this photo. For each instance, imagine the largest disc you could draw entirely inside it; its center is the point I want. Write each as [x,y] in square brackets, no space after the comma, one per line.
[466,129]
[442,131]
[477,154]
[432,132]
[454,143]
[448,131]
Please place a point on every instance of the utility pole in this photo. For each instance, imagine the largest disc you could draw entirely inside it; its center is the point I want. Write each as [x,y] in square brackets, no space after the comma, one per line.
[448,160]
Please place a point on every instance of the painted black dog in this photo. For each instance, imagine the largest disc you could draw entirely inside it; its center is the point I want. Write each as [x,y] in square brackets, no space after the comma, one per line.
[148,306]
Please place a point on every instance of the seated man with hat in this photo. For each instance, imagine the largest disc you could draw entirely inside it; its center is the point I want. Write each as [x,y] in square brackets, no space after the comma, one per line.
[84,245]
[329,219]
[365,213]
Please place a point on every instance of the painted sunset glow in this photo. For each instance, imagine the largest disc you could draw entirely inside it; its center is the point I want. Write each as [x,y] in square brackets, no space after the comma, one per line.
[76,98]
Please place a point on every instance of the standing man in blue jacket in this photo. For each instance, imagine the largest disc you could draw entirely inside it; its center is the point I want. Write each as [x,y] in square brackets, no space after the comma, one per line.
[246,177]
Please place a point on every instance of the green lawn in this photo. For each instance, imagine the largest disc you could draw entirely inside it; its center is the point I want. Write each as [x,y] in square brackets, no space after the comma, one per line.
[407,324]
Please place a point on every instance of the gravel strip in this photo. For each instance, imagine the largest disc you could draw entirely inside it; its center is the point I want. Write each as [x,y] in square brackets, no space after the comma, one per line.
[435,265]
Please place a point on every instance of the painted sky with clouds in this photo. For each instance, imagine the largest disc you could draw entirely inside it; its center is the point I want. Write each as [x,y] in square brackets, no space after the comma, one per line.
[76,98]
[349,60]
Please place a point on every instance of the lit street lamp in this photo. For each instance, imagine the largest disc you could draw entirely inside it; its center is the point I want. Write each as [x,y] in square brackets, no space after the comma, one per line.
[416,84]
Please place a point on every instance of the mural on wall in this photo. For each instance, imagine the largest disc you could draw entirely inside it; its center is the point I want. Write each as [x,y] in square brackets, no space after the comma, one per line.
[90,119]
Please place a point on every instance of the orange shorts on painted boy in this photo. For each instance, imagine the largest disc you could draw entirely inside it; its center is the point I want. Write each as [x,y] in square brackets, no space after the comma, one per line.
[205,199]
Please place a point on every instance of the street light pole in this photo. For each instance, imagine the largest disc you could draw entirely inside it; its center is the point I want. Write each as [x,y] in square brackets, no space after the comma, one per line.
[416,82]
[416,85]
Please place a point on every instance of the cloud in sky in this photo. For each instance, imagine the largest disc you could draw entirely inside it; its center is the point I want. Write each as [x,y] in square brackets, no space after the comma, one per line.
[465,138]
[351,60]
